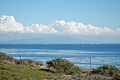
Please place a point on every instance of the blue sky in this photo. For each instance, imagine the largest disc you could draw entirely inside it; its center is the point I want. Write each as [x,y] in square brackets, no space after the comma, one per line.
[59,21]
[97,12]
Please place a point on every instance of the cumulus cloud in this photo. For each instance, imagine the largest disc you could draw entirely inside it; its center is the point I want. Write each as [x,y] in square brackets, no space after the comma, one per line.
[9,24]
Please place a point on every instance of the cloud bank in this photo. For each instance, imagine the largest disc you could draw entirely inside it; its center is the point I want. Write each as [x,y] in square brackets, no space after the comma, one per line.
[8,24]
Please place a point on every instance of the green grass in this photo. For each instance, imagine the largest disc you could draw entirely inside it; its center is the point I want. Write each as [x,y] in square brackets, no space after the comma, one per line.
[8,71]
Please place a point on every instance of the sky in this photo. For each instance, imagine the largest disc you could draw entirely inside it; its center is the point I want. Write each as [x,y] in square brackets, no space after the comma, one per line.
[59,21]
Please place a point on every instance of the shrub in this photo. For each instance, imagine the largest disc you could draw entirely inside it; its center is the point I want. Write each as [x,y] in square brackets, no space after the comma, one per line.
[74,70]
[4,56]
[62,65]
[107,70]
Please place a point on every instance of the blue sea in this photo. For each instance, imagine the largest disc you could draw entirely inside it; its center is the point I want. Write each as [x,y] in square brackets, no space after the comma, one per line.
[79,54]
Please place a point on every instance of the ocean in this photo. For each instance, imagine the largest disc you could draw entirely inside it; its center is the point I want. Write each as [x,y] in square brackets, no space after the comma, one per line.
[79,54]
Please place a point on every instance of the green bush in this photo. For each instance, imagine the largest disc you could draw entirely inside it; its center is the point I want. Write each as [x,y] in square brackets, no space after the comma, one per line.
[107,70]
[4,56]
[62,65]
[74,70]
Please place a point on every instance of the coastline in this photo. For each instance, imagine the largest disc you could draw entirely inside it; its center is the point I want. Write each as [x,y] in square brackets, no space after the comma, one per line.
[23,68]
[78,57]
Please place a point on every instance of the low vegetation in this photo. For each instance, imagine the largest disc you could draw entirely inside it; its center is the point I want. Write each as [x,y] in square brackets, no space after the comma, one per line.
[62,65]
[4,56]
[108,71]
[57,69]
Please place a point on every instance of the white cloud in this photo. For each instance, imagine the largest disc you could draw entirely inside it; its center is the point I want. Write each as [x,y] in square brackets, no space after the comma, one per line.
[9,24]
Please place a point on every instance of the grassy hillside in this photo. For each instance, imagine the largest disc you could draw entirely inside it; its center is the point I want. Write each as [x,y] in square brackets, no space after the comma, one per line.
[20,72]
[17,71]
